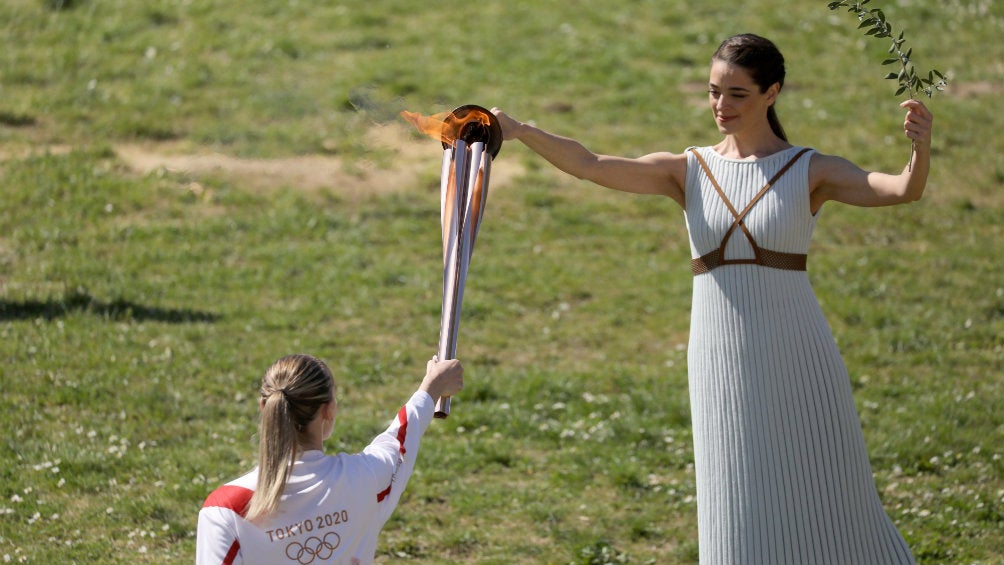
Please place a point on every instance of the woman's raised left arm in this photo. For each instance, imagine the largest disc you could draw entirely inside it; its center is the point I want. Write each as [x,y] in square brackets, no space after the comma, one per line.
[835,178]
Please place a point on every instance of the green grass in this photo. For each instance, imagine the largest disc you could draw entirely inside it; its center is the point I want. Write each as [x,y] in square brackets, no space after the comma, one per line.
[137,314]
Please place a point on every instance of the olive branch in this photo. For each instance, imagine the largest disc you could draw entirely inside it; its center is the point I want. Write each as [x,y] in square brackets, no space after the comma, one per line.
[879,27]
[907,77]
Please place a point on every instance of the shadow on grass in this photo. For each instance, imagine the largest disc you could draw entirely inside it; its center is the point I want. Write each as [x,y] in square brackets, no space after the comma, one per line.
[118,309]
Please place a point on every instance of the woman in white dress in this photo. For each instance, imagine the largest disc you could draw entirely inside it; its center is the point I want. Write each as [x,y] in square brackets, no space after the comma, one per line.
[783,475]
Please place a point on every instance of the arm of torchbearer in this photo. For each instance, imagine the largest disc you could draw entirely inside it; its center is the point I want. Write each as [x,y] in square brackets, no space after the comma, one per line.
[471,138]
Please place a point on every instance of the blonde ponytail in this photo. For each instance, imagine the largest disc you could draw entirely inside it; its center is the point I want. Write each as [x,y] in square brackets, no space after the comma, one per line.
[292,391]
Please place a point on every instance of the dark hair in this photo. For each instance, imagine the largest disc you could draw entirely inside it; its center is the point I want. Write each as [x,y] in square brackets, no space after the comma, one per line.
[764,62]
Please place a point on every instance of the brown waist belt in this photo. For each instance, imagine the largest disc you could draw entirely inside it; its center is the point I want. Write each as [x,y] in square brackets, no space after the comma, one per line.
[764,257]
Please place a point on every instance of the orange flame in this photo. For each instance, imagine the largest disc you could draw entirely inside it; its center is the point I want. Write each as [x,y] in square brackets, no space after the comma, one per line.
[444,126]
[431,126]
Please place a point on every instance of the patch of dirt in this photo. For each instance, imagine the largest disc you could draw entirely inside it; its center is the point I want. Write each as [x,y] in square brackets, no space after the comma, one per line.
[411,158]
[696,93]
[975,89]
[24,152]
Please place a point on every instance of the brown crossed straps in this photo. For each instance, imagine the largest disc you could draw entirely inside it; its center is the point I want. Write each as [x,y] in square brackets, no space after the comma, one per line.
[764,257]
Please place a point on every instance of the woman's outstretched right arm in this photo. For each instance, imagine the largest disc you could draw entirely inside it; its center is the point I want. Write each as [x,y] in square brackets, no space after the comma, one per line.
[655,173]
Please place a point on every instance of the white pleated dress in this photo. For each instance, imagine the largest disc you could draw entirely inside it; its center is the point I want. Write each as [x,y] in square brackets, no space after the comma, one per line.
[783,475]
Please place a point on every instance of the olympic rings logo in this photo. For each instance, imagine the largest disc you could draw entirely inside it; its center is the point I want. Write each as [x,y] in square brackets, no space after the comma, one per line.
[314,548]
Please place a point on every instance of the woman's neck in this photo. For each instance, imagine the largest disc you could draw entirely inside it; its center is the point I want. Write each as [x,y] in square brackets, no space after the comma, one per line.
[736,147]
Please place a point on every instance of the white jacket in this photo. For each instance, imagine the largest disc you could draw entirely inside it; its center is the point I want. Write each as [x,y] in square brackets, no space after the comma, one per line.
[333,507]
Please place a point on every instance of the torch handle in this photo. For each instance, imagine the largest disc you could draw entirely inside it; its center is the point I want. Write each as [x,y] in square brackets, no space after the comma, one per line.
[454,278]
[442,407]
[447,346]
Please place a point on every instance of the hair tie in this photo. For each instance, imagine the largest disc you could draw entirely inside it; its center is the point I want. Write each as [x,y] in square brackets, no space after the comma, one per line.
[280,390]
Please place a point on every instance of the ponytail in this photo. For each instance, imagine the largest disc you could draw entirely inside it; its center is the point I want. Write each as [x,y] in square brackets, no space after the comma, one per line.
[292,391]
[775,123]
[276,453]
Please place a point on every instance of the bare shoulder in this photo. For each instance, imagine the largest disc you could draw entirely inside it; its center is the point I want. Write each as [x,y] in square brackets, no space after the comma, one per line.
[824,162]
[673,166]
[825,169]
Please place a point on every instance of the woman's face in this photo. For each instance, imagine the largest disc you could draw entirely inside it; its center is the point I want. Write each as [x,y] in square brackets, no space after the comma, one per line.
[736,100]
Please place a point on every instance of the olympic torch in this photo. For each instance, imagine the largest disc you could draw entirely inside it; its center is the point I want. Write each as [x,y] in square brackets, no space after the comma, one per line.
[471,138]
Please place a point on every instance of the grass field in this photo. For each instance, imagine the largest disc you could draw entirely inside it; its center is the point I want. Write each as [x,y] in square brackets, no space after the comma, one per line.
[194,188]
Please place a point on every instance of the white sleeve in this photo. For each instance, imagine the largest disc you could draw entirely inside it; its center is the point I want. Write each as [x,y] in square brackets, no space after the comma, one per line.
[391,457]
[406,430]
[216,543]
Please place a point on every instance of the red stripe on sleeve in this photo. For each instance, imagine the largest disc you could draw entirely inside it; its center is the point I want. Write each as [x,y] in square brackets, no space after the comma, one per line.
[402,432]
[230,497]
[235,499]
[232,554]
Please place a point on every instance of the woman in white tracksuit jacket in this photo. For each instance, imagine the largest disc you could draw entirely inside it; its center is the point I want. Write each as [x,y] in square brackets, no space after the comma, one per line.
[300,506]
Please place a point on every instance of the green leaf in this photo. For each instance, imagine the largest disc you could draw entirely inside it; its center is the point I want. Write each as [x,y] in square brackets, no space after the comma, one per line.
[874,23]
